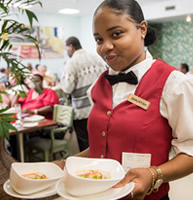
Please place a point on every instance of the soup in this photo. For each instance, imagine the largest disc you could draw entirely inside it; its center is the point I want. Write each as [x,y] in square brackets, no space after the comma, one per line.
[93,174]
[35,175]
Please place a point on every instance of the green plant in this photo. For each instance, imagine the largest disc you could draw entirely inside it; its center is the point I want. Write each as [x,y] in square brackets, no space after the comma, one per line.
[11,28]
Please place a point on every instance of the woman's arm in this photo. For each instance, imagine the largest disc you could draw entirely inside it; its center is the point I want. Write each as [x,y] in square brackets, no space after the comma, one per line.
[176,168]
[44,110]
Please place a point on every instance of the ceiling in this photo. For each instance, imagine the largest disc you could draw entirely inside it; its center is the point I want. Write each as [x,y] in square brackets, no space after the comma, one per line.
[154,10]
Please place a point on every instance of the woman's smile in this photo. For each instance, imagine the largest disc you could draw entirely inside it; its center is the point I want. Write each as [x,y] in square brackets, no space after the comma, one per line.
[111,59]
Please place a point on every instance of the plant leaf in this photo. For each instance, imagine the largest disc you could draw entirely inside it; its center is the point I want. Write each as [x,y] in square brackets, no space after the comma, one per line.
[31,16]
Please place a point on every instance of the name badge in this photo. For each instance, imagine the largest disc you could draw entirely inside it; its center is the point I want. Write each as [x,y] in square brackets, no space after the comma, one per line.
[138,101]
[135,160]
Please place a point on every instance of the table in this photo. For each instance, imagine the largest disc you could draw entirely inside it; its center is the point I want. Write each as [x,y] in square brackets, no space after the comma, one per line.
[22,130]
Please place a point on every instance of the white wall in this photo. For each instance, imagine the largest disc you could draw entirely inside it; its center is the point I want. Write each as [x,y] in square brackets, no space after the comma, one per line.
[86,37]
[71,26]
[81,27]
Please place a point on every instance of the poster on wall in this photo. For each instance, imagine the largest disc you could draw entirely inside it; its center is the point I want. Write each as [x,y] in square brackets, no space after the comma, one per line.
[51,43]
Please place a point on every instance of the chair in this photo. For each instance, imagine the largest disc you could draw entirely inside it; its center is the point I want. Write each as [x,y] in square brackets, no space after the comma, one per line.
[64,98]
[63,115]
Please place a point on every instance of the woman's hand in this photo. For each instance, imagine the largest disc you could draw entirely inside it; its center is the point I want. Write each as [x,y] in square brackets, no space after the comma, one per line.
[142,178]
[25,110]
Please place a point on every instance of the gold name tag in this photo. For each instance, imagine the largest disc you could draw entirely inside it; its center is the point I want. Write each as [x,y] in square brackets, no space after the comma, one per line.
[138,101]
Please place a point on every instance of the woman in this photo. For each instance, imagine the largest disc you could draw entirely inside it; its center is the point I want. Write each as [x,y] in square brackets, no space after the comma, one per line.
[145,117]
[38,100]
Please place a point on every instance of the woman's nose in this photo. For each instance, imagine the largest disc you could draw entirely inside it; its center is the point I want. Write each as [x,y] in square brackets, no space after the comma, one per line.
[107,46]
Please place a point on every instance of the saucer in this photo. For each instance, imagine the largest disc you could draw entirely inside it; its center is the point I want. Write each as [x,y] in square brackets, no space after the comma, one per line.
[44,193]
[34,118]
[28,125]
[110,194]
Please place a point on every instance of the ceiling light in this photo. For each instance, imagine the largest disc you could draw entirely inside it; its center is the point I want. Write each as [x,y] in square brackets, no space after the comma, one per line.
[188,18]
[69,11]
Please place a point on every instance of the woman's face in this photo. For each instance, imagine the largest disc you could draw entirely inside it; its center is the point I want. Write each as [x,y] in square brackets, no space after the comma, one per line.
[70,50]
[120,41]
[38,81]
[12,80]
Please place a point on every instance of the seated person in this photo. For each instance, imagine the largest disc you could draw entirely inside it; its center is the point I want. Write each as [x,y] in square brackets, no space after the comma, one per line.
[49,80]
[38,100]
[15,87]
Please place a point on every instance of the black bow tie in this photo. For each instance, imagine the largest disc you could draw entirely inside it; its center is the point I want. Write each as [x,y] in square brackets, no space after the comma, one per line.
[129,78]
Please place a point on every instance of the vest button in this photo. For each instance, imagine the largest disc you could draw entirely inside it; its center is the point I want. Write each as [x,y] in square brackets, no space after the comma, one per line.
[102,156]
[108,112]
[103,133]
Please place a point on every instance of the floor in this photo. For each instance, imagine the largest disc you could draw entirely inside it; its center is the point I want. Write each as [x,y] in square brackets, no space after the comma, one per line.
[75,148]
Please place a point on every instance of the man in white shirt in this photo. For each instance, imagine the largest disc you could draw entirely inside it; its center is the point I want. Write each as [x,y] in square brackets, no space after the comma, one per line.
[81,70]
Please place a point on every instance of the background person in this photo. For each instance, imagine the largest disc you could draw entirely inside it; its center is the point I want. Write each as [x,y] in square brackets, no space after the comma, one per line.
[116,125]
[48,77]
[184,68]
[39,100]
[80,71]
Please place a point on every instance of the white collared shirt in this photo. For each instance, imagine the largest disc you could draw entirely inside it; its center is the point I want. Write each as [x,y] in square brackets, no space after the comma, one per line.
[176,103]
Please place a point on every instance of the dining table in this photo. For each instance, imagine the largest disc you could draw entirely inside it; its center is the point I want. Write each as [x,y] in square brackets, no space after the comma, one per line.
[21,130]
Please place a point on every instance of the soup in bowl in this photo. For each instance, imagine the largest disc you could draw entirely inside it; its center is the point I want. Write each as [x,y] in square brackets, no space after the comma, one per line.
[88,176]
[28,178]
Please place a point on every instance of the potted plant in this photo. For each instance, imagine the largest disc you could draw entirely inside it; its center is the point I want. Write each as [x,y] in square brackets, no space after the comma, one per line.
[9,29]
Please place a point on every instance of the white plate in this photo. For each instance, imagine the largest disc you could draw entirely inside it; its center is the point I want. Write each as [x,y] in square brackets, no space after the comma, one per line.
[26,125]
[111,194]
[34,118]
[44,193]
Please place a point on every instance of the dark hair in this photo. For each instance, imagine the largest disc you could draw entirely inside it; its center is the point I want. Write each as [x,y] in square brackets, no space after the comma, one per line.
[133,9]
[2,70]
[37,66]
[185,66]
[74,42]
[38,75]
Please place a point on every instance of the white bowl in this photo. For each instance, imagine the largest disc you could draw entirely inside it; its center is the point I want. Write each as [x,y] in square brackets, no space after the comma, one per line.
[79,186]
[26,186]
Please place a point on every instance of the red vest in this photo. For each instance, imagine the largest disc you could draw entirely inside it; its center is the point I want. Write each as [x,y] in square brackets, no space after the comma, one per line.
[129,128]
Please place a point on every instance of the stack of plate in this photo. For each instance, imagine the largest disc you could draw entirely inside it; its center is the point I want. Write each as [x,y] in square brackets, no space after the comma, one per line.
[32,120]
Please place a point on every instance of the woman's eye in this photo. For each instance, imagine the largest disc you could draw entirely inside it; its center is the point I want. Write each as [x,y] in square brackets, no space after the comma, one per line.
[98,40]
[116,34]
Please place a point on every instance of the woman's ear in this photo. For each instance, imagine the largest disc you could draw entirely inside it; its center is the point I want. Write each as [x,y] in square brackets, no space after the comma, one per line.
[143,29]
